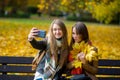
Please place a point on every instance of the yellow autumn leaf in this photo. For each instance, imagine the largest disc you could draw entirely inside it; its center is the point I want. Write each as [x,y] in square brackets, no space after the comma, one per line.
[77,64]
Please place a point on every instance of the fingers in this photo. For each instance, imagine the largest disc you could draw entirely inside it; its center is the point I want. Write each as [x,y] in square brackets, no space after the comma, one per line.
[81,56]
[69,65]
[33,33]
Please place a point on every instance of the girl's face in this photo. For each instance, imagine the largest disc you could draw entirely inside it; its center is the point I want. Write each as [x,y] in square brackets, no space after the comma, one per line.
[77,37]
[57,32]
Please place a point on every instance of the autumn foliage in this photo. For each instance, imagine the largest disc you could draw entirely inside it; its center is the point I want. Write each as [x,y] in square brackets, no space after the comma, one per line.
[13,37]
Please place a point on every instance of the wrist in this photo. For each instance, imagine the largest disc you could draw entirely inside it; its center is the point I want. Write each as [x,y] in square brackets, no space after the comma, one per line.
[30,39]
[84,62]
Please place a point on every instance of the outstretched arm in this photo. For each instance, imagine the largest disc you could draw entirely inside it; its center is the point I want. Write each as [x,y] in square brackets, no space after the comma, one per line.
[36,44]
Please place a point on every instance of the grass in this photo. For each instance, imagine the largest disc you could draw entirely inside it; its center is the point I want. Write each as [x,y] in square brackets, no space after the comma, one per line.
[13,36]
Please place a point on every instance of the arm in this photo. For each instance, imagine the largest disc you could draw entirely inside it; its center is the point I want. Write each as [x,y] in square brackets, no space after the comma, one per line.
[36,44]
[69,65]
[91,68]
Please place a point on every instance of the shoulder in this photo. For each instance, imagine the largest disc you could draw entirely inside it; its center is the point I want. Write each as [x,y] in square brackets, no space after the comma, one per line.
[92,54]
[93,48]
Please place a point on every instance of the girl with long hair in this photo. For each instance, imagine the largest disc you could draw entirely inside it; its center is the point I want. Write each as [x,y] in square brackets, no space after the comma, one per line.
[83,58]
[56,46]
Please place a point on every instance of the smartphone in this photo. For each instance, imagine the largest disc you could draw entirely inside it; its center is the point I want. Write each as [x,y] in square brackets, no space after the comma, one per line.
[39,79]
[42,33]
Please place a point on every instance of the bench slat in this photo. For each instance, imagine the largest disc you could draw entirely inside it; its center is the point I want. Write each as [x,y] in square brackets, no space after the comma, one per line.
[5,68]
[104,62]
[109,71]
[17,69]
[109,78]
[16,60]
[16,77]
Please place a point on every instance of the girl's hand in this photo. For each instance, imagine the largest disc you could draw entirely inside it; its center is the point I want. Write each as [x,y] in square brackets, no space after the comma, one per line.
[69,65]
[81,57]
[33,33]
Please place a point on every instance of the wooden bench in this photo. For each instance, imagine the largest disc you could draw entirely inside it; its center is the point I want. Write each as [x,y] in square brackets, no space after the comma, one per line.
[12,67]
[16,68]
[109,69]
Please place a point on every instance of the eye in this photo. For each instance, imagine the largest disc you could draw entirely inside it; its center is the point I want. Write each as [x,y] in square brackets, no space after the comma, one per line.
[59,29]
[54,29]
[73,32]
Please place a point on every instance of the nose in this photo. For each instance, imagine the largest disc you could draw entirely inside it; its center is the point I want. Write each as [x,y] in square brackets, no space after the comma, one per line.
[57,31]
[75,35]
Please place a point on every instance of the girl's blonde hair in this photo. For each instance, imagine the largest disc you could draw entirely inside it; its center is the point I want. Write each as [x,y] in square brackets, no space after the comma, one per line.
[52,40]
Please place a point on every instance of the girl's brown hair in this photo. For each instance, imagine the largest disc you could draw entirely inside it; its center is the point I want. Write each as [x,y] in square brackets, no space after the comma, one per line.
[81,29]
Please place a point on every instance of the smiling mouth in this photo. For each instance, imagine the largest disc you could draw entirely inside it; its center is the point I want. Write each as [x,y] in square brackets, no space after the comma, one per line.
[75,39]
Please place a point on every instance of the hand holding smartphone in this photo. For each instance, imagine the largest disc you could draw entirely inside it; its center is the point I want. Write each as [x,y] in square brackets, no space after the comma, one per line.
[41,33]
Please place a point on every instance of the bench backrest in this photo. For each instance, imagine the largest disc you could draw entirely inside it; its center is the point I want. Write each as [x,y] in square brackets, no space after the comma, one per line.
[109,69]
[16,68]
[19,68]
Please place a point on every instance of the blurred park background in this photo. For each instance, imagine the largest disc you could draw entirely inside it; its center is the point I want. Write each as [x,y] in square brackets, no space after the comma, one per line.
[17,17]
